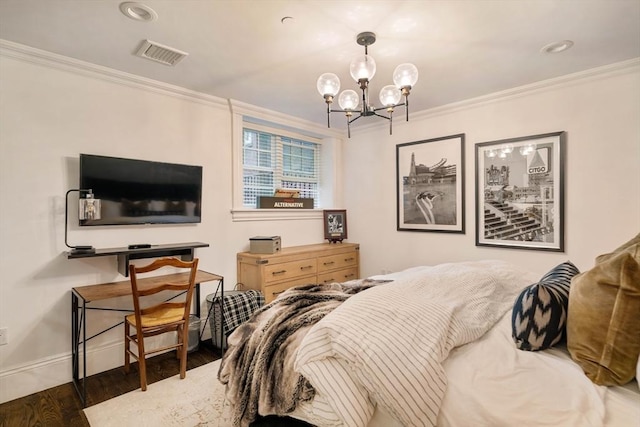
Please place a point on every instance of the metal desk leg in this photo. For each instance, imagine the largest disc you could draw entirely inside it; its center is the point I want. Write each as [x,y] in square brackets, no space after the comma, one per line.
[77,325]
[211,309]
[222,317]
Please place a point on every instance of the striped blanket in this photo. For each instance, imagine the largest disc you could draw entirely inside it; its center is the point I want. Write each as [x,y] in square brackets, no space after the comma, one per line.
[256,367]
[386,346]
[349,350]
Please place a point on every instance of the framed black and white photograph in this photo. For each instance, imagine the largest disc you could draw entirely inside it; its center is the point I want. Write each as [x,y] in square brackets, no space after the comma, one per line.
[335,225]
[520,192]
[430,185]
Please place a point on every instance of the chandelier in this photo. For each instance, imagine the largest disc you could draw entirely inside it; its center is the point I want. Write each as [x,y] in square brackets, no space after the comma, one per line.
[362,69]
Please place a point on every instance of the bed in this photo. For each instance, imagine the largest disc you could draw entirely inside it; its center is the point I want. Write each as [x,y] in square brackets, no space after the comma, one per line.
[430,345]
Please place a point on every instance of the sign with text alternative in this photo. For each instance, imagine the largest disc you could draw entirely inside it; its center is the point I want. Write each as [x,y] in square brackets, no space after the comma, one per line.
[538,161]
[284,203]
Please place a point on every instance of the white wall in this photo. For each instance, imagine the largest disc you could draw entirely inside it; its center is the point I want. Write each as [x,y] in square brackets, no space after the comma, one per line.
[599,110]
[52,110]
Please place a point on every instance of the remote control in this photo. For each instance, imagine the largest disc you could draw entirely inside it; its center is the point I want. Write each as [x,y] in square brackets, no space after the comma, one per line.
[140,246]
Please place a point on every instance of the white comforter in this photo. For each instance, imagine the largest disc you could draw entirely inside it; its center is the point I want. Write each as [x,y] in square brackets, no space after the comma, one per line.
[386,346]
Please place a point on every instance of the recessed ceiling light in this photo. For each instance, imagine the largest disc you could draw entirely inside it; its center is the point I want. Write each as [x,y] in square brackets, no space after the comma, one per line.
[138,11]
[557,47]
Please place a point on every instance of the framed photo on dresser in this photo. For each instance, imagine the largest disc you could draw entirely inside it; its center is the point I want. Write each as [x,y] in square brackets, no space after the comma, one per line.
[335,225]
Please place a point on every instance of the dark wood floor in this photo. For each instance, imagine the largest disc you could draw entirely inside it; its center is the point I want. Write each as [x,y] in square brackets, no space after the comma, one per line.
[61,407]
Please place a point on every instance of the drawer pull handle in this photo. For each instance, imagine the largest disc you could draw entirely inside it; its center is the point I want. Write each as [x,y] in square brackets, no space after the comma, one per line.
[329,263]
[279,272]
[276,293]
[329,280]
[348,259]
[346,276]
[306,267]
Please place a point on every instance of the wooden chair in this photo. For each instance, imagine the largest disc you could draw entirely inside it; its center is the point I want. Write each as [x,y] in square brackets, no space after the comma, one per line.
[151,317]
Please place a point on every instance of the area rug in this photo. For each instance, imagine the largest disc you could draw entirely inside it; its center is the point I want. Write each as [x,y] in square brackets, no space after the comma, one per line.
[196,400]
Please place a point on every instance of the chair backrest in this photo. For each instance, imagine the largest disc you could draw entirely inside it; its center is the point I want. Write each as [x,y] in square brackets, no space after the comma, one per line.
[177,281]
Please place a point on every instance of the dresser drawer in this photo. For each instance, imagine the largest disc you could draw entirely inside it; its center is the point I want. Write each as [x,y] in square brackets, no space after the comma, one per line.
[272,291]
[338,275]
[272,274]
[334,262]
[289,270]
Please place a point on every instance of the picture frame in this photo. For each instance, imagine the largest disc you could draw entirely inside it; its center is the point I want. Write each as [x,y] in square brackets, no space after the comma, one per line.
[335,225]
[431,198]
[520,192]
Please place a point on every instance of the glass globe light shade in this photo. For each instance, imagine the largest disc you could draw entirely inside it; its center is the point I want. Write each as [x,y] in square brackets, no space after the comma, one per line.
[362,67]
[349,100]
[390,95]
[328,84]
[507,149]
[405,75]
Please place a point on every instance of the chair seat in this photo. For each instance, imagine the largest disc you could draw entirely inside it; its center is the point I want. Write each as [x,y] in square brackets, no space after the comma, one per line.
[163,316]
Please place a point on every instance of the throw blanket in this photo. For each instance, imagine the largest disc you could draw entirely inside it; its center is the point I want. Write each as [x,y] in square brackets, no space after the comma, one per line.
[257,366]
[386,346]
[239,306]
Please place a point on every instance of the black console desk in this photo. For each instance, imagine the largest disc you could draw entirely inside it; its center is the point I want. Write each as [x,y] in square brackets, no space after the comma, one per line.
[184,250]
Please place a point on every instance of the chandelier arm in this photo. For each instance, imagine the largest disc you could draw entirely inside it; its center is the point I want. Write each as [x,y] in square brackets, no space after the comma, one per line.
[380,115]
[402,104]
[354,119]
[406,105]
[328,115]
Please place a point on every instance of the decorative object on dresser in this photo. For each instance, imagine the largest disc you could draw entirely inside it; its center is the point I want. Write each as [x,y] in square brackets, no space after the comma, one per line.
[272,274]
[335,225]
[265,244]
[430,185]
[520,192]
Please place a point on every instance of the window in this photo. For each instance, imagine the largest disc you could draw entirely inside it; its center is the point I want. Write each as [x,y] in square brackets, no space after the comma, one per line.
[271,161]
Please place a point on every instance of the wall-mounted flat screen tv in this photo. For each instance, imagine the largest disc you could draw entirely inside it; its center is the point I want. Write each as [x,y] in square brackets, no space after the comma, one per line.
[142,192]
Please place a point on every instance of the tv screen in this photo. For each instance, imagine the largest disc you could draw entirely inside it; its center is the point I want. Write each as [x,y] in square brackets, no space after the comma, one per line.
[142,192]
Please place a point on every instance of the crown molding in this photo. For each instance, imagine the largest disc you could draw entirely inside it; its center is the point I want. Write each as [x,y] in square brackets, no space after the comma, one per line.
[65,63]
[267,117]
[38,56]
[623,67]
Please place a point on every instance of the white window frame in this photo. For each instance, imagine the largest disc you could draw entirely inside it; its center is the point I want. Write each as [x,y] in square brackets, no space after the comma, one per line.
[330,189]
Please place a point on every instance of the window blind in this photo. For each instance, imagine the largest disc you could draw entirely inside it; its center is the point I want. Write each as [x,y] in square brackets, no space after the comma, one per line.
[272,161]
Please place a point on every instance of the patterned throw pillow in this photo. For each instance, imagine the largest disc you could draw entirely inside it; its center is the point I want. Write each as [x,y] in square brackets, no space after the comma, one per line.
[539,314]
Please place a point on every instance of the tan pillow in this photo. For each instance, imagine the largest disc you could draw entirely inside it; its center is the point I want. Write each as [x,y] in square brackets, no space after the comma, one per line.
[603,320]
[625,246]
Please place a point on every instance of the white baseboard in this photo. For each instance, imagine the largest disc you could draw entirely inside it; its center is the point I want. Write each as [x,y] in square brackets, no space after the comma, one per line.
[55,371]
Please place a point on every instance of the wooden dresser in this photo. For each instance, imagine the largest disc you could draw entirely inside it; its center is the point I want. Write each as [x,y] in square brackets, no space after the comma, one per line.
[272,274]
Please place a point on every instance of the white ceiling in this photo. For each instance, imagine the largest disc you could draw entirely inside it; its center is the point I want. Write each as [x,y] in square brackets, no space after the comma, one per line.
[240,49]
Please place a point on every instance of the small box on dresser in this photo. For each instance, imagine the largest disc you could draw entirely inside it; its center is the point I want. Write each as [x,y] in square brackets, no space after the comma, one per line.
[272,274]
[265,244]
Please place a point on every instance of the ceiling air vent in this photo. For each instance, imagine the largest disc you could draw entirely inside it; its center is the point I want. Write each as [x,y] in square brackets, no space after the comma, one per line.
[160,53]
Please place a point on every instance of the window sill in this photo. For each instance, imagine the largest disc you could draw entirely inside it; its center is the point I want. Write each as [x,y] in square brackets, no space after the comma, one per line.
[274,214]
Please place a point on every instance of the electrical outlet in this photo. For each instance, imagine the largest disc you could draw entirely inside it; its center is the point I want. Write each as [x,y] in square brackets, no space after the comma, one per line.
[4,339]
